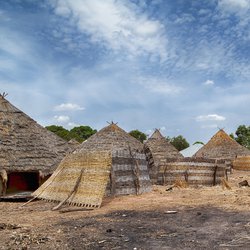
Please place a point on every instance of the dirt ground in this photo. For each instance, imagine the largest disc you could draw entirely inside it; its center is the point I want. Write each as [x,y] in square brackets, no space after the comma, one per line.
[182,218]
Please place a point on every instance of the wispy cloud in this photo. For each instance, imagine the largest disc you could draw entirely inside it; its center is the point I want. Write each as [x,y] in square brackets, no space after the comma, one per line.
[210,117]
[62,118]
[234,6]
[209,82]
[158,85]
[68,107]
[118,25]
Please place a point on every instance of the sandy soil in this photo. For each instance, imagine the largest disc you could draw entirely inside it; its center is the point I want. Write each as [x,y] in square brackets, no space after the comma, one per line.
[201,218]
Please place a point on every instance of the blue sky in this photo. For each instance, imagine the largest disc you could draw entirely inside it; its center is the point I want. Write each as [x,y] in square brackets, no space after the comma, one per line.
[182,66]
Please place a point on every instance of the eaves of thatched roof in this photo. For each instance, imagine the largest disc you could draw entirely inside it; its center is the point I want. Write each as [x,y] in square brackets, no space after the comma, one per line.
[25,145]
[222,146]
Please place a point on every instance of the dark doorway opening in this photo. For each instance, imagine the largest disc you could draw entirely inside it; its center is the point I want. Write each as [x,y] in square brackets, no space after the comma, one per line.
[22,181]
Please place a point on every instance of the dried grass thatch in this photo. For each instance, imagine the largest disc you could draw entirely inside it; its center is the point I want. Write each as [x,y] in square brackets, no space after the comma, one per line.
[87,175]
[110,162]
[222,146]
[25,145]
[158,150]
[242,163]
[193,171]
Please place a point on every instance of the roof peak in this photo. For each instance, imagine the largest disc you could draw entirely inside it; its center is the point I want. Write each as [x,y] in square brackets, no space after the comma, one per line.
[156,135]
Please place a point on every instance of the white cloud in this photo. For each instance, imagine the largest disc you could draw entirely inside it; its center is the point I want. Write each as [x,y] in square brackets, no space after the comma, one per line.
[163,128]
[211,117]
[115,24]
[237,6]
[68,107]
[158,85]
[72,124]
[61,118]
[209,82]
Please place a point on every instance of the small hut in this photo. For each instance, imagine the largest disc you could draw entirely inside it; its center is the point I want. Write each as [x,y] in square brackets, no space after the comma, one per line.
[222,146]
[109,163]
[193,171]
[242,163]
[158,150]
[28,152]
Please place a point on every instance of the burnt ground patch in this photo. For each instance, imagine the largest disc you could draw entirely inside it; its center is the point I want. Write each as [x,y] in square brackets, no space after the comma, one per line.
[189,228]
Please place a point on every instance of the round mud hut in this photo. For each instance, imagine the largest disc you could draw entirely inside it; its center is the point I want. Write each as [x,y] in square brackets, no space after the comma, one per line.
[158,150]
[28,152]
[242,163]
[109,163]
[192,171]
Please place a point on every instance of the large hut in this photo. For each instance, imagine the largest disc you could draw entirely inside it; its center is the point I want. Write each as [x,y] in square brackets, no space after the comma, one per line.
[109,163]
[28,152]
[158,151]
[222,146]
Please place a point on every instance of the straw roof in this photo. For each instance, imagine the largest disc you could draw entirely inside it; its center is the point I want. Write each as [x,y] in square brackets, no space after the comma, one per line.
[25,145]
[158,150]
[109,138]
[110,162]
[222,146]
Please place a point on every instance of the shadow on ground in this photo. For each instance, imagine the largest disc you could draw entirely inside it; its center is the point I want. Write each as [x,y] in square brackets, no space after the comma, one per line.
[192,228]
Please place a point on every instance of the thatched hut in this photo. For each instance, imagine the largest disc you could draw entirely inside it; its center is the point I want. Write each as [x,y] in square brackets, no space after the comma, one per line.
[192,171]
[222,146]
[242,163]
[158,150]
[28,152]
[109,163]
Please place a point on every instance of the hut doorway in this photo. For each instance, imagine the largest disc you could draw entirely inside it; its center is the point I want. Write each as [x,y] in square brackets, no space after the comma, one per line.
[22,181]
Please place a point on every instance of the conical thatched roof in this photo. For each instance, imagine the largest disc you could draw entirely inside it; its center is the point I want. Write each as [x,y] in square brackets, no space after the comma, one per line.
[158,150]
[109,138]
[110,162]
[222,146]
[25,145]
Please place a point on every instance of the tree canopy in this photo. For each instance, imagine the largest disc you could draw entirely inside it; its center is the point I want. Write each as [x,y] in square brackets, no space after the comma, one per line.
[80,133]
[60,131]
[179,142]
[138,135]
[242,136]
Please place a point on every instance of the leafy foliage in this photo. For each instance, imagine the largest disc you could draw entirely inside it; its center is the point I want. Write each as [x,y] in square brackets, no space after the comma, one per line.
[179,142]
[60,131]
[138,135]
[243,136]
[80,133]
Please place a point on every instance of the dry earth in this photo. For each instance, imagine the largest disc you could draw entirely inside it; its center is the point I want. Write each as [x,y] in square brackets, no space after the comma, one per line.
[205,218]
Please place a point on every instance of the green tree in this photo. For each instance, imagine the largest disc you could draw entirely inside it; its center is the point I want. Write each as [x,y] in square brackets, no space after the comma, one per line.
[179,142]
[243,136]
[60,131]
[81,133]
[138,135]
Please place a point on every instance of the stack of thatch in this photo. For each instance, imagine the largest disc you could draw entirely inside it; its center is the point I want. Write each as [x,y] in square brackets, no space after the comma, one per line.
[110,162]
[158,151]
[222,146]
[25,145]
